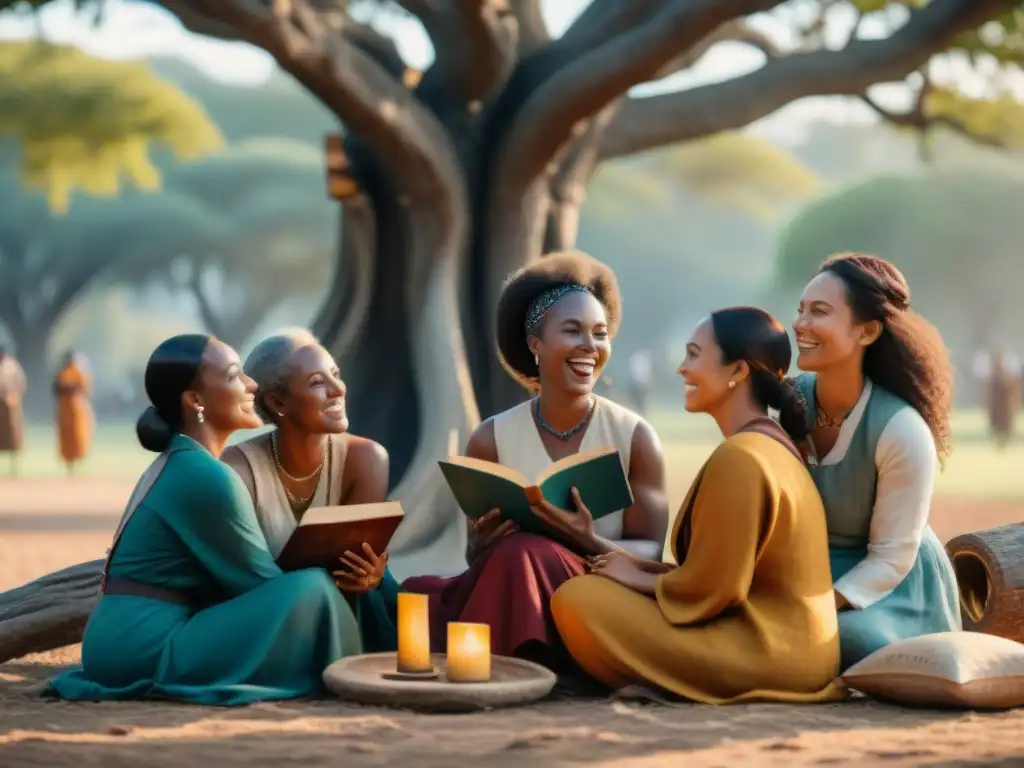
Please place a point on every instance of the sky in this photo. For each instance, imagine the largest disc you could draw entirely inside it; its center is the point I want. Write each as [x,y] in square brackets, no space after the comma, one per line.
[135,29]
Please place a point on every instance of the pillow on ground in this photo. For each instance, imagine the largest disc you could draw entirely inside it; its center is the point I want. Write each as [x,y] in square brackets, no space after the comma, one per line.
[948,669]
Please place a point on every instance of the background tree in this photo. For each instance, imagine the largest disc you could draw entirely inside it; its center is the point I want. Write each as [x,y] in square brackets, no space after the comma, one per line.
[270,192]
[49,259]
[117,111]
[955,234]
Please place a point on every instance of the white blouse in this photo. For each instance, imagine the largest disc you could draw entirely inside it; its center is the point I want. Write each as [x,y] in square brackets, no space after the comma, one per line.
[906,462]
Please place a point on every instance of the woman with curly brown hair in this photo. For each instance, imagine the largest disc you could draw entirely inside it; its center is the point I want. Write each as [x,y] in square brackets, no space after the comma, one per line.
[879,391]
[556,319]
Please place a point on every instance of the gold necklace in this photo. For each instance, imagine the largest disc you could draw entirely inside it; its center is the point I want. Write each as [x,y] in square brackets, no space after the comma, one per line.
[283,471]
[825,421]
[294,500]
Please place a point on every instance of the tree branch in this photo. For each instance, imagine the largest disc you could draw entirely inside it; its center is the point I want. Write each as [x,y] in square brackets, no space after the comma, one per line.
[648,123]
[373,43]
[736,31]
[595,79]
[569,184]
[475,42]
[918,120]
[533,31]
[205,304]
[406,137]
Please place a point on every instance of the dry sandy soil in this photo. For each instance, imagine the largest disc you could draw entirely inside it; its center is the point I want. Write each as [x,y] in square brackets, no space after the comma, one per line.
[49,524]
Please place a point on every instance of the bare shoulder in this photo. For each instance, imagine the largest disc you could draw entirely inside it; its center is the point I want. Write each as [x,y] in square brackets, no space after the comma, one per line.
[365,475]
[482,443]
[365,452]
[645,440]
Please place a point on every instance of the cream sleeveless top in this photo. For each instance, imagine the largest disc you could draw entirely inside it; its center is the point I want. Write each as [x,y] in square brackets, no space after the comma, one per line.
[273,510]
[520,446]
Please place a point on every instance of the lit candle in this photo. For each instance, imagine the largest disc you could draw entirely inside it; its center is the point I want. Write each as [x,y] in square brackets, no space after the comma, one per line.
[469,652]
[413,633]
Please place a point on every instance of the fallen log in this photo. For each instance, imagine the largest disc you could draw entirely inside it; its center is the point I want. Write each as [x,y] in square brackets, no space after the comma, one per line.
[50,612]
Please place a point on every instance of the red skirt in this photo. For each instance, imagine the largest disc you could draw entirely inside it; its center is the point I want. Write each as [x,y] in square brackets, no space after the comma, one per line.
[508,587]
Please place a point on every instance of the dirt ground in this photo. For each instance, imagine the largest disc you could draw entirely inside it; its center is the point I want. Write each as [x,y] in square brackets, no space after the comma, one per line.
[45,525]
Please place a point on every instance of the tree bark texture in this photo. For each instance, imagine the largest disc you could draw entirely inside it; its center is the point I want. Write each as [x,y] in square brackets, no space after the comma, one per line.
[481,167]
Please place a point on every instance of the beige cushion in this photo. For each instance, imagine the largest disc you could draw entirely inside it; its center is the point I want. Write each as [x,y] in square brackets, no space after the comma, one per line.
[948,669]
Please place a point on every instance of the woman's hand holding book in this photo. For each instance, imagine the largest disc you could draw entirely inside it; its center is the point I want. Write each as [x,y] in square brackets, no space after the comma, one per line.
[362,574]
[487,531]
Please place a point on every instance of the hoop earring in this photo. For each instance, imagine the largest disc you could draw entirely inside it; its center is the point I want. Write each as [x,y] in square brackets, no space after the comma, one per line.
[199,414]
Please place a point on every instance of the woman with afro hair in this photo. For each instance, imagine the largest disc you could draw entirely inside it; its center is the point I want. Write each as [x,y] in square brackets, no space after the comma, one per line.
[556,320]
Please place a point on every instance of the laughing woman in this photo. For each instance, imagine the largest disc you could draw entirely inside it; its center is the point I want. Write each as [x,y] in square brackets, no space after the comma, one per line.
[880,393]
[311,460]
[193,606]
[556,320]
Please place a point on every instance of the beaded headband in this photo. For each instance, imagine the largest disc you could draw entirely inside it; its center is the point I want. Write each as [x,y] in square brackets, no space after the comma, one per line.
[543,303]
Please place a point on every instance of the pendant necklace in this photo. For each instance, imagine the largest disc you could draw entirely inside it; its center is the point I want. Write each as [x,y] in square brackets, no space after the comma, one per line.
[569,432]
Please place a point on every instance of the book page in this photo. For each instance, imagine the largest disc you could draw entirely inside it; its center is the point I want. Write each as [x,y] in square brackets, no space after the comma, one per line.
[490,468]
[576,459]
[351,513]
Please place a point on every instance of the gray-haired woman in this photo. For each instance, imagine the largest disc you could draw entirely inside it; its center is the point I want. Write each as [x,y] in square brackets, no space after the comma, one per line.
[311,460]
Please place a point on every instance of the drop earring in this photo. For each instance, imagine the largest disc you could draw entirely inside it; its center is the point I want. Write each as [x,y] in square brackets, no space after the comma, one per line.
[536,360]
[199,415]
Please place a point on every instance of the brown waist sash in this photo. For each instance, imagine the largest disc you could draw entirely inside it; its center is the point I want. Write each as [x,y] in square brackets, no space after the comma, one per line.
[118,585]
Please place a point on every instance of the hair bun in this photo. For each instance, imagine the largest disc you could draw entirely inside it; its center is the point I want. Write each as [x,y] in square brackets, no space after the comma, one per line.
[153,431]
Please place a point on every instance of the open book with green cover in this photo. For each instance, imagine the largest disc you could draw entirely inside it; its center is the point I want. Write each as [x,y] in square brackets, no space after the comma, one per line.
[480,486]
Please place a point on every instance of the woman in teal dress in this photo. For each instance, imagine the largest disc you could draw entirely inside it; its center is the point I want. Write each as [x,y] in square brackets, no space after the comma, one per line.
[879,391]
[311,460]
[193,607]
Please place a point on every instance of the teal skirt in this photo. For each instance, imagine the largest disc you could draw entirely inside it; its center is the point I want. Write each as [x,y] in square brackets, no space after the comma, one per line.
[925,602]
[270,643]
[377,615]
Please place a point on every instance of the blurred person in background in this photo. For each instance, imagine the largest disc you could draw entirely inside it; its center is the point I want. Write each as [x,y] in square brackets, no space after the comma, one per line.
[12,390]
[72,388]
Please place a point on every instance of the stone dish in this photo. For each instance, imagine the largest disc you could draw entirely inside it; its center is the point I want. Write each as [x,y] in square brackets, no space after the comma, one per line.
[361,679]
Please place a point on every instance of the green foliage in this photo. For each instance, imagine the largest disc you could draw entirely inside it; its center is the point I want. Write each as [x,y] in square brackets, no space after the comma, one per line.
[88,123]
[734,171]
[995,50]
[741,171]
[956,236]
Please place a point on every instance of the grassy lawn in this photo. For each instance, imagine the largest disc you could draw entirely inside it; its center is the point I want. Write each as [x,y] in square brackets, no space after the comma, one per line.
[976,468]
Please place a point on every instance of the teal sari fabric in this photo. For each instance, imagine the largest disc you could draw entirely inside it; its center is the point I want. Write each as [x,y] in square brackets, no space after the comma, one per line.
[261,634]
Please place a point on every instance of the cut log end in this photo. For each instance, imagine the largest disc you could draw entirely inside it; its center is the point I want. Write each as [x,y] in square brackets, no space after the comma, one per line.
[50,612]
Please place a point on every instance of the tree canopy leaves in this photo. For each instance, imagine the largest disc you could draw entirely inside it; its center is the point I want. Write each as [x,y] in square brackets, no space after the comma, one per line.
[86,123]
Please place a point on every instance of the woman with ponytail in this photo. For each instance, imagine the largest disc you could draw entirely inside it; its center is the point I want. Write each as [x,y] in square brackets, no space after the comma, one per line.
[193,606]
[879,389]
[748,613]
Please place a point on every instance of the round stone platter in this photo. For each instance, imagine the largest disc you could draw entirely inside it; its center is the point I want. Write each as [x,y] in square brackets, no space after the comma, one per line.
[361,679]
